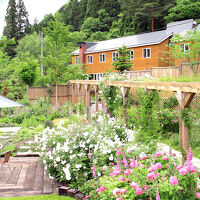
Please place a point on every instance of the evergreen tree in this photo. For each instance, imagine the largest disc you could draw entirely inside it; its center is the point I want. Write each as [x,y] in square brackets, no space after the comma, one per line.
[23,25]
[123,61]
[10,30]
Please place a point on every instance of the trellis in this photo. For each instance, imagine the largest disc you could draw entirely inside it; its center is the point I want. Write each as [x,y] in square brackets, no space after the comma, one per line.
[184,92]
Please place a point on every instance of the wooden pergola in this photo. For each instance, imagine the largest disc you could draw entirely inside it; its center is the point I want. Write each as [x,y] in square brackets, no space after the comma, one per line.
[184,92]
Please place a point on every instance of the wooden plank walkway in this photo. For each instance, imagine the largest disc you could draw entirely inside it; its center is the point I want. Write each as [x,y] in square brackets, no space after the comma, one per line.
[26,178]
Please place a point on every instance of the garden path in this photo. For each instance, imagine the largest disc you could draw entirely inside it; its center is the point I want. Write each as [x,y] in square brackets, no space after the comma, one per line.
[24,148]
[27,178]
[165,148]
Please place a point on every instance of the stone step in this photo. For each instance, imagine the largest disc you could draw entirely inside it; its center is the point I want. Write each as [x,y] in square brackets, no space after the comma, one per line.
[10,129]
[27,154]
[24,147]
[5,137]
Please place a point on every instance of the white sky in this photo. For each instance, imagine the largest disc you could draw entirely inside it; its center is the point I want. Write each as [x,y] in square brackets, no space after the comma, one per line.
[36,9]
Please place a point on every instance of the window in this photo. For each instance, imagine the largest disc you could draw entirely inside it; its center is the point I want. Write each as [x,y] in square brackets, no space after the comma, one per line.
[102,58]
[77,60]
[114,55]
[131,54]
[184,47]
[147,53]
[89,59]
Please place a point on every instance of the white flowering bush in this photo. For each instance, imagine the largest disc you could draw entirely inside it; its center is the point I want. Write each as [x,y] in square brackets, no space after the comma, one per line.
[69,153]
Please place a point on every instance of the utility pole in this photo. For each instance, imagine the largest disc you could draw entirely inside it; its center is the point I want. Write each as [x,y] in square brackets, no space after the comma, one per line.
[42,53]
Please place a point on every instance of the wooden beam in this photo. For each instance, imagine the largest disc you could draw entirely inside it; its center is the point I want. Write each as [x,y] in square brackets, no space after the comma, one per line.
[73,94]
[192,87]
[96,89]
[184,99]
[87,88]
[79,95]
[125,92]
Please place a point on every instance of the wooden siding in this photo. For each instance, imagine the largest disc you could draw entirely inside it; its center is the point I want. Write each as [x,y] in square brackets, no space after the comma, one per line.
[139,63]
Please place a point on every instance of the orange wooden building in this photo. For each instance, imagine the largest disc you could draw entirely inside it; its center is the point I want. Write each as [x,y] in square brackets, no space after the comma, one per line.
[146,50]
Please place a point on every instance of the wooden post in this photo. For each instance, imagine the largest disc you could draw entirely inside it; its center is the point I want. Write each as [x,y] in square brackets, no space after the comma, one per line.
[79,95]
[87,88]
[125,92]
[184,99]
[96,89]
[73,94]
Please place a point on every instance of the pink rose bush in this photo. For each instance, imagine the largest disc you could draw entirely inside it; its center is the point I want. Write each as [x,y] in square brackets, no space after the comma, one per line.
[147,177]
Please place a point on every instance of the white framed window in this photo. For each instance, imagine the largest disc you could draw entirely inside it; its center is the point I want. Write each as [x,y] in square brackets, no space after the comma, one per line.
[77,60]
[114,55]
[132,54]
[102,58]
[184,47]
[89,59]
[147,53]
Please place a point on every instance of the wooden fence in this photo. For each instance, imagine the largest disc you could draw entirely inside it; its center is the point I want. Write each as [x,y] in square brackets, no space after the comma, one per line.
[64,93]
[158,72]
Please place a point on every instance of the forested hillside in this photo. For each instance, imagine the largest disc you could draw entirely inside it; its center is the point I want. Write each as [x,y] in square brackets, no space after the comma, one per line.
[23,61]
[105,19]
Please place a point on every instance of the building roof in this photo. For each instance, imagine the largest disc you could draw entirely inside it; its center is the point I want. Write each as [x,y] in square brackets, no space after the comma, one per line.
[7,103]
[144,39]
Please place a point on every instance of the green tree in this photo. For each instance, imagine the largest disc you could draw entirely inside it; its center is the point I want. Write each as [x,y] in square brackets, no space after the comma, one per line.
[29,44]
[22,20]
[184,9]
[58,48]
[10,30]
[123,61]
[90,26]
[187,49]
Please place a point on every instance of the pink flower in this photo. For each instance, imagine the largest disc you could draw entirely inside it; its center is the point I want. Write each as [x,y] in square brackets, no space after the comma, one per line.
[134,185]
[89,154]
[127,172]
[179,167]
[116,172]
[157,195]
[125,161]
[159,165]
[173,180]
[119,198]
[192,169]
[95,184]
[143,157]
[197,194]
[165,158]
[151,176]
[86,197]
[183,171]
[139,191]
[158,154]
[153,167]
[118,191]
[101,189]
[123,191]
[121,179]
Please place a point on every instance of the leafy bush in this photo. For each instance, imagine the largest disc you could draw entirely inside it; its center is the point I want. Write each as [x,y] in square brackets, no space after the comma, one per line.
[67,152]
[156,176]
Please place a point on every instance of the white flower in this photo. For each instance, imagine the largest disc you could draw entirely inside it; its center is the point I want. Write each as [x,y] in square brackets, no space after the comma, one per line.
[67,172]
[111,157]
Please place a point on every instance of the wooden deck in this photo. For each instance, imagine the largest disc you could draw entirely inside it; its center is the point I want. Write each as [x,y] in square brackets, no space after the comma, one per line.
[25,179]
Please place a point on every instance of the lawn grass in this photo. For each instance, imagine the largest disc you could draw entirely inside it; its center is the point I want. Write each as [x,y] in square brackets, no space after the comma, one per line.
[42,197]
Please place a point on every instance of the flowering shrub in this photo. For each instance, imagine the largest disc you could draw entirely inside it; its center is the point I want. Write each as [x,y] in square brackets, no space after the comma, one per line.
[74,154]
[149,177]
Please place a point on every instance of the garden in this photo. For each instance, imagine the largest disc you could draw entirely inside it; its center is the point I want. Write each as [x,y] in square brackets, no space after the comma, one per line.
[107,157]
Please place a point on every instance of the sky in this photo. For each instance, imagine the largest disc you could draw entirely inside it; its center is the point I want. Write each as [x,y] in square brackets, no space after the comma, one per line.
[36,9]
